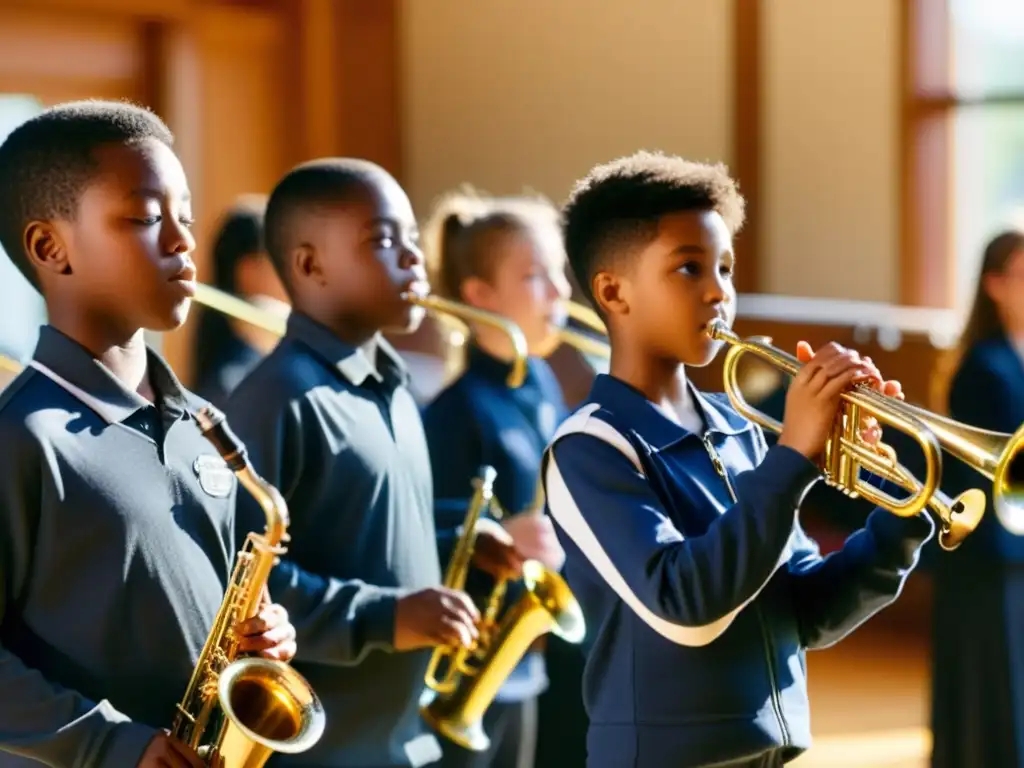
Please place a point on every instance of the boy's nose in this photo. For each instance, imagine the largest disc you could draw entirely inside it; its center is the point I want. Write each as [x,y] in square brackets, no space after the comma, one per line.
[412,256]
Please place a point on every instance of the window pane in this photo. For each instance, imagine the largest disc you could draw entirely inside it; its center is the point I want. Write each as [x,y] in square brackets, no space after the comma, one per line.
[987,41]
[23,308]
[988,184]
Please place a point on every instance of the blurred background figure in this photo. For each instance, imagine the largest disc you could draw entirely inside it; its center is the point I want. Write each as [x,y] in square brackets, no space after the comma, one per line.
[978,663]
[505,255]
[227,349]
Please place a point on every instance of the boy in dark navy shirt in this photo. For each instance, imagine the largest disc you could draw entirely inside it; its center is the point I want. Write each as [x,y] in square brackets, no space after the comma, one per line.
[505,255]
[116,514]
[329,419]
[701,590]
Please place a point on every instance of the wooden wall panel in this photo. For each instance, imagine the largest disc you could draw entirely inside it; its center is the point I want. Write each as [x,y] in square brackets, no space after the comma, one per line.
[69,56]
[368,81]
[233,111]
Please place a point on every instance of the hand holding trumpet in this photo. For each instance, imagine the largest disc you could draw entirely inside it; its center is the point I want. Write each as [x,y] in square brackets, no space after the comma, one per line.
[813,399]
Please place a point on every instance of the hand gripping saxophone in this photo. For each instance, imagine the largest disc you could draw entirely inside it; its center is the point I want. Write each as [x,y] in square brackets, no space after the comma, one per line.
[473,676]
[238,711]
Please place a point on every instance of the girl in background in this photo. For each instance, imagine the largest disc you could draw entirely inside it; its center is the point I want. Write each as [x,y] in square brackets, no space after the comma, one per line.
[978,658]
[227,349]
[506,256]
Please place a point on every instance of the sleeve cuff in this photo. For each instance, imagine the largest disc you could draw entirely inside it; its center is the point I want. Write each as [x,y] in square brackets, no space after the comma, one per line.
[125,745]
[788,474]
[899,538]
[377,619]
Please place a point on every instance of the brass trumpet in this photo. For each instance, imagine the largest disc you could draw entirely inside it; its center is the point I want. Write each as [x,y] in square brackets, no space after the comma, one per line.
[456,313]
[472,677]
[240,309]
[10,366]
[997,456]
[585,342]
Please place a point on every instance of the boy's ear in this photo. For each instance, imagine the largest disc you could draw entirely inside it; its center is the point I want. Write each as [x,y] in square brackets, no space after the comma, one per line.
[306,263]
[609,294]
[45,247]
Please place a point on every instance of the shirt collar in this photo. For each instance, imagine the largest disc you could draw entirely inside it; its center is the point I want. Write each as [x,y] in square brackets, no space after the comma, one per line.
[650,423]
[351,362]
[74,368]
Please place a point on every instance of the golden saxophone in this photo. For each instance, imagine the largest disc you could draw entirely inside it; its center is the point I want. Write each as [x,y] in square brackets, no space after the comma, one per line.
[236,712]
[473,676]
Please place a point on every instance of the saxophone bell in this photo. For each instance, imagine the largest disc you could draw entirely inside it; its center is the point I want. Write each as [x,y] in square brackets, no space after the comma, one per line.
[456,702]
[237,711]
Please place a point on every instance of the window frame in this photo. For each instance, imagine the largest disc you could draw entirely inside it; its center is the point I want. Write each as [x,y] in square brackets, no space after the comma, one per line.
[927,201]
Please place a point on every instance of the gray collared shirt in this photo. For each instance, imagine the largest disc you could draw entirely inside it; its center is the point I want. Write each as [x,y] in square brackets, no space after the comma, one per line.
[116,539]
[340,435]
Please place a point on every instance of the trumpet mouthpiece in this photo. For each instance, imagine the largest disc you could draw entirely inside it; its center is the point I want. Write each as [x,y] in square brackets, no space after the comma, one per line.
[716,328]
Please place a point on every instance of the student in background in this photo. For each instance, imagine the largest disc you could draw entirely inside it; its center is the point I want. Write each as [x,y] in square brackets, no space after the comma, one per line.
[505,255]
[227,349]
[329,419]
[978,672]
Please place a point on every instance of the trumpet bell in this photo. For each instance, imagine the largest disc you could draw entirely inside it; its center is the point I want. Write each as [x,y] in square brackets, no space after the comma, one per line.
[997,456]
[1008,479]
[964,514]
[268,707]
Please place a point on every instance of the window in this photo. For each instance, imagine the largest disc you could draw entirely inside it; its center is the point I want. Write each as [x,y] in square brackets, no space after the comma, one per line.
[23,307]
[964,132]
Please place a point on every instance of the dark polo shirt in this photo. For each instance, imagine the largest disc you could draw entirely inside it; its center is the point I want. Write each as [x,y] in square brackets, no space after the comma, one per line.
[340,436]
[114,555]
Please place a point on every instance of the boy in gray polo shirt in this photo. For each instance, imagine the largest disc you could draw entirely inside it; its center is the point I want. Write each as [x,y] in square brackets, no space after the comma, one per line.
[116,514]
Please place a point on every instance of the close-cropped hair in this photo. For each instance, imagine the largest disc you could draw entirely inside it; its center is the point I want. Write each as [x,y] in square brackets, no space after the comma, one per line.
[615,209]
[48,161]
[326,181]
[461,237]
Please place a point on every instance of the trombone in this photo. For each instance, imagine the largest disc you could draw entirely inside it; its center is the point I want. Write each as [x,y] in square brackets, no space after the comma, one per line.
[995,455]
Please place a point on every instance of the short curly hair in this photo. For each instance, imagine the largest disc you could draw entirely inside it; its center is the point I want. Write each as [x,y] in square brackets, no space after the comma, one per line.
[616,207]
[48,161]
[323,181]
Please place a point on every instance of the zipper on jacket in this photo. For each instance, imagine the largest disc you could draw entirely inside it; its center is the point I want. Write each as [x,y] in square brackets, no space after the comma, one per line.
[767,644]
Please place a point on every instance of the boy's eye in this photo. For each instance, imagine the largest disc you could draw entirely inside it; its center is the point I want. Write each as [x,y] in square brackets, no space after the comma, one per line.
[384,241]
[690,268]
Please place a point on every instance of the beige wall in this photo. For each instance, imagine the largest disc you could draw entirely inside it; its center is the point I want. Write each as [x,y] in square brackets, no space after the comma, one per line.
[532,93]
[831,142]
